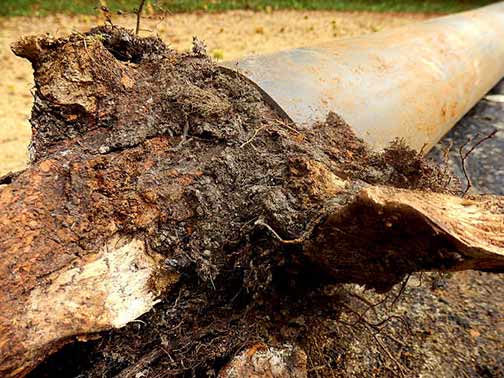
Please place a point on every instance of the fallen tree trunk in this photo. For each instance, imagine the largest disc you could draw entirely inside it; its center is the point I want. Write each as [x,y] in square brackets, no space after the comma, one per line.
[149,165]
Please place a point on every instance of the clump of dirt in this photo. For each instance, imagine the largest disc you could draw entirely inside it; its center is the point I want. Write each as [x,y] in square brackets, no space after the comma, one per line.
[171,147]
[398,165]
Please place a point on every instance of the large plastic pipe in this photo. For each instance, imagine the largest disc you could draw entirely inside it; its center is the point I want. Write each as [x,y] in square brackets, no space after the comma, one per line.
[413,82]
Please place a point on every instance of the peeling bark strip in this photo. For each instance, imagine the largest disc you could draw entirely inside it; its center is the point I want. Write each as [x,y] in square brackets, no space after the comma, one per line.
[385,233]
[149,165]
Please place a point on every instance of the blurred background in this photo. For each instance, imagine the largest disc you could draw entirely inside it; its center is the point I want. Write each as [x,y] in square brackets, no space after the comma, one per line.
[231,29]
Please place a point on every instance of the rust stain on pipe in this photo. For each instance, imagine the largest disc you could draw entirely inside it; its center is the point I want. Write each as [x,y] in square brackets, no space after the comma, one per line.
[413,82]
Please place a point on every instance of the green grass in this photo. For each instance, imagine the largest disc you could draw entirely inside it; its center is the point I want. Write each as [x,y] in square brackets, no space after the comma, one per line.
[44,7]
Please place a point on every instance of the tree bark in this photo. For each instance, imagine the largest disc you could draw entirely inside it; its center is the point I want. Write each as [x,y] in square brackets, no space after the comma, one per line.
[148,164]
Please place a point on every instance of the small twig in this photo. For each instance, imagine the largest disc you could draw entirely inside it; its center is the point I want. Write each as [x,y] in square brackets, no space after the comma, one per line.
[139,16]
[299,240]
[253,136]
[363,300]
[370,305]
[464,170]
[402,369]
[316,368]
[260,222]
[422,150]
[310,228]
[464,156]
[164,11]
[144,362]
[446,154]
[361,319]
[138,321]
[446,158]
[386,320]
[389,336]
[489,136]
[168,354]
[401,290]
[212,282]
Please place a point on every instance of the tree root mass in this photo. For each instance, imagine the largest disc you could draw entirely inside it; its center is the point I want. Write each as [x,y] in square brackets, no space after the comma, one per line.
[248,226]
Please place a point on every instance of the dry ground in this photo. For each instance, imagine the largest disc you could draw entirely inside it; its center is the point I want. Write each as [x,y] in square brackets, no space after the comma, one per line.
[228,35]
